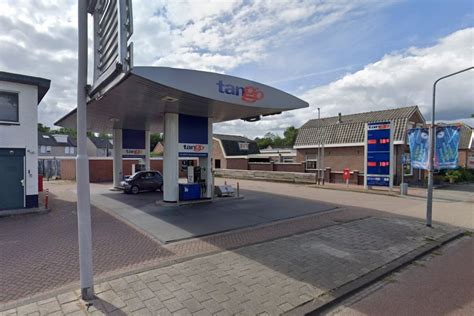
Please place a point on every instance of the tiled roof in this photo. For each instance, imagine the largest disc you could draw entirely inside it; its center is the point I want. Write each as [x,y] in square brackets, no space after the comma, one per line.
[46,139]
[351,128]
[101,142]
[230,144]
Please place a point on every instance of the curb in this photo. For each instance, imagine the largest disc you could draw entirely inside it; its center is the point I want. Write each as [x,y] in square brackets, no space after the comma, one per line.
[333,297]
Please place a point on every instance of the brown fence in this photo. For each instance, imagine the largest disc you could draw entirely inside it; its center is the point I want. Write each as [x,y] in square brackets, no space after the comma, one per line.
[101,170]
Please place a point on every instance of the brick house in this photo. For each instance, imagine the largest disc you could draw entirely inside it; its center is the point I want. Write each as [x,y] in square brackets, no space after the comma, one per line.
[343,137]
[232,151]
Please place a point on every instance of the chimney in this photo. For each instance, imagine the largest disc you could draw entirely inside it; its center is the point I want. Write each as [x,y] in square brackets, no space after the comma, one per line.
[339,119]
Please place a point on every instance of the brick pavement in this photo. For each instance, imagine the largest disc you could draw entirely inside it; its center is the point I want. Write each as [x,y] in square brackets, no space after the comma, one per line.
[268,278]
[38,253]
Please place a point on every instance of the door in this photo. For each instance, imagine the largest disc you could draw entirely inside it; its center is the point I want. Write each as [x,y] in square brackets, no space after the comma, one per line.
[12,181]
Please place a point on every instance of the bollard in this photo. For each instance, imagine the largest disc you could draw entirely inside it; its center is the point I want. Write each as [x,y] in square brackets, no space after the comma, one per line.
[238,190]
[46,199]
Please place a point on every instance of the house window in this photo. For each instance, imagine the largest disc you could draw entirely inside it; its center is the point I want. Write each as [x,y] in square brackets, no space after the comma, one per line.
[9,107]
[218,163]
[66,150]
[43,149]
[311,162]
[48,149]
[244,146]
[71,150]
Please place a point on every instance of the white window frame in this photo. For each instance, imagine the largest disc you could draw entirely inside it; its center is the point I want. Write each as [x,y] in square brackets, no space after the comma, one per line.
[66,150]
[48,149]
[17,122]
[43,149]
[71,150]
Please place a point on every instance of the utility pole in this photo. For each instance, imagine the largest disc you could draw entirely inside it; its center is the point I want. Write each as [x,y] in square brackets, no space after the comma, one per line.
[82,162]
[429,195]
[319,148]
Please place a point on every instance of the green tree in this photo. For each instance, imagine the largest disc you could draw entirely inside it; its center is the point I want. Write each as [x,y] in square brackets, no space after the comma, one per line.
[155,139]
[290,135]
[43,128]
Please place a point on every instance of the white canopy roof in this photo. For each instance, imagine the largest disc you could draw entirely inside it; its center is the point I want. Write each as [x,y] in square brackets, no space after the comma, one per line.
[141,97]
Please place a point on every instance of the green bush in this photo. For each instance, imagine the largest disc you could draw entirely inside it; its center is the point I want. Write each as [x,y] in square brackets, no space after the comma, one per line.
[459,175]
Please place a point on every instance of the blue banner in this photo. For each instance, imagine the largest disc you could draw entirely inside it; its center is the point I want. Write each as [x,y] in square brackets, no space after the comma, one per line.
[418,140]
[446,147]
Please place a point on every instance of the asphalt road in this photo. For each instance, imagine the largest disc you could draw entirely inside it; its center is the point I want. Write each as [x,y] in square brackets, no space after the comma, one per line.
[440,284]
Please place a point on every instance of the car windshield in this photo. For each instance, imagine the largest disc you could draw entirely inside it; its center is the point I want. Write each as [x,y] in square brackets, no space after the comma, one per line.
[135,175]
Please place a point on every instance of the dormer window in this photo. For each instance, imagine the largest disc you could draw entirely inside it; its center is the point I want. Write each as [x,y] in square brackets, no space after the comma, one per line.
[9,107]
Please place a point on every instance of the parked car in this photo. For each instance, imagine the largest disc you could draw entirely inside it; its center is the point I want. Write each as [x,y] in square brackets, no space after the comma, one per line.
[143,181]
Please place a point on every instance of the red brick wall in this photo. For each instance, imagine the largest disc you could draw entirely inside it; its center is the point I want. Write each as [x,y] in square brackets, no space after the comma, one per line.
[337,158]
[101,170]
[217,153]
[264,166]
[236,163]
[289,167]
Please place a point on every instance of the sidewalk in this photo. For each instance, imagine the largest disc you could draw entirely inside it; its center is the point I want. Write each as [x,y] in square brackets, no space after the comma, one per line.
[268,278]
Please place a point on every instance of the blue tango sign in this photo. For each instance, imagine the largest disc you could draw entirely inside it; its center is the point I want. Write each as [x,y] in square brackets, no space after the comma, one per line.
[379,144]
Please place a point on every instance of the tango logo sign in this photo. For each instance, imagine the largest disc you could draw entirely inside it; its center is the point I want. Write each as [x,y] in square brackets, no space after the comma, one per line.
[248,94]
[196,148]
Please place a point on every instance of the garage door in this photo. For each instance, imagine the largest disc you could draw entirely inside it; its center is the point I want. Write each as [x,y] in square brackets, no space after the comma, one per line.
[12,171]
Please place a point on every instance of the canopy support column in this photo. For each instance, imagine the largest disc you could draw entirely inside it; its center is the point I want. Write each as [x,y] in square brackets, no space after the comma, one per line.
[209,163]
[147,150]
[170,157]
[117,157]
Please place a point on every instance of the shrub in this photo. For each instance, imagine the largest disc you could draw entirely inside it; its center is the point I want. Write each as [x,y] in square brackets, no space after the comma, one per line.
[459,175]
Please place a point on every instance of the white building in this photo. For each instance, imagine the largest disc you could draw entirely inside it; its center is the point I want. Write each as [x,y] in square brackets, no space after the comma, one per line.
[19,98]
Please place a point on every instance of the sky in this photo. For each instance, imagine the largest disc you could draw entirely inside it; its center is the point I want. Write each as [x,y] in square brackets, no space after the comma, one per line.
[343,56]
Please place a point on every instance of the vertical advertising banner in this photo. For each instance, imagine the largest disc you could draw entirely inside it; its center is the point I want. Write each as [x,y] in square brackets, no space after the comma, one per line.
[192,136]
[446,147]
[133,143]
[419,142]
[379,145]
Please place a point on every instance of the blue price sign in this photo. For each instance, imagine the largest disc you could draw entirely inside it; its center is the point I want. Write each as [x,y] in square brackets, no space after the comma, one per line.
[378,154]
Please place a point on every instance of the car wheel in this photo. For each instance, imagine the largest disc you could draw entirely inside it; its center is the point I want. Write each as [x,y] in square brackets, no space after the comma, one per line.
[135,189]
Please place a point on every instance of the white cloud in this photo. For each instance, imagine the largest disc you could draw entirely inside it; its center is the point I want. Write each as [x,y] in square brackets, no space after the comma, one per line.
[398,79]
[39,38]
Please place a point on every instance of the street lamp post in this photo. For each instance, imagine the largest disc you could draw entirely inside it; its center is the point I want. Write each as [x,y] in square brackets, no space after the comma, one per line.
[429,197]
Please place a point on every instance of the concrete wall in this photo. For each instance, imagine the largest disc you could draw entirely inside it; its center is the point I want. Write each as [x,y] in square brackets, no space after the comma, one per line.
[25,134]
[293,177]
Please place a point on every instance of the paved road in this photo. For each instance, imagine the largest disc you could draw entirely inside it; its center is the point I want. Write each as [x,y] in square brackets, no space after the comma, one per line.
[442,284]
[454,212]
[171,223]
[268,278]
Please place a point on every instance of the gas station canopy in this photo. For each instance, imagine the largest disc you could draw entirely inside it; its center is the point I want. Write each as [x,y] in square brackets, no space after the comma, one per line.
[142,95]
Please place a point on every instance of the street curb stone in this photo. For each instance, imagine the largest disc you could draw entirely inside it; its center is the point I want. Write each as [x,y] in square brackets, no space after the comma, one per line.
[328,300]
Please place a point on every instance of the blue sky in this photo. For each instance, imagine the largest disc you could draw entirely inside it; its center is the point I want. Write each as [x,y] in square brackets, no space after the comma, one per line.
[360,40]
[340,55]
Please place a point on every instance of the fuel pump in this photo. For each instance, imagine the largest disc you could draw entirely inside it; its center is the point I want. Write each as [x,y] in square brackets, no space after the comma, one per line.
[198,175]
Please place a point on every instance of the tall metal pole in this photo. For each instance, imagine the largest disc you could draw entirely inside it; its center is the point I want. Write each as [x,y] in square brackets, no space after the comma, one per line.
[82,162]
[319,148]
[429,195]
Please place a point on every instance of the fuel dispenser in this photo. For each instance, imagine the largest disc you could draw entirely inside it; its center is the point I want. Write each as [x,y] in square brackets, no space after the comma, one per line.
[197,175]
